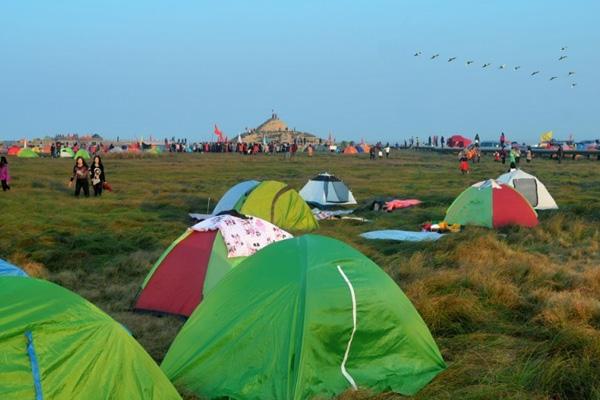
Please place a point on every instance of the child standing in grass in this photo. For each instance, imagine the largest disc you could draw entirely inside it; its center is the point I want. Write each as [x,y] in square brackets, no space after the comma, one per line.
[98,179]
[4,175]
[81,174]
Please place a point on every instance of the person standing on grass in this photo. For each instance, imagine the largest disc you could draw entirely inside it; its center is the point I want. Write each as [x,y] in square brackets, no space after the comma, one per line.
[463,163]
[97,173]
[81,174]
[529,155]
[560,153]
[4,175]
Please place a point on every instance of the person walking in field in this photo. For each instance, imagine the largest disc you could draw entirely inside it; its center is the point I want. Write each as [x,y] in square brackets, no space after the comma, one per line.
[529,155]
[4,175]
[81,174]
[387,150]
[463,162]
[97,173]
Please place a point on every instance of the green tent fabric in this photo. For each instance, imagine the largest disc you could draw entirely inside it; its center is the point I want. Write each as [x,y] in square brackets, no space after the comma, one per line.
[56,345]
[83,154]
[279,204]
[26,152]
[67,152]
[155,150]
[303,318]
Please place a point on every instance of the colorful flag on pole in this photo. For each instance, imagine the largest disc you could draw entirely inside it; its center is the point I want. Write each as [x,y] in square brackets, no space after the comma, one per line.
[546,137]
[219,133]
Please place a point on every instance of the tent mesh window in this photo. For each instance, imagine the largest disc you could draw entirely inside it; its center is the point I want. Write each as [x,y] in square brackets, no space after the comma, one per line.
[341,192]
[528,188]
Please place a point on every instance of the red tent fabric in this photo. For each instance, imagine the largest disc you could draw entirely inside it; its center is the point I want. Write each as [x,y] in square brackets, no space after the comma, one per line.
[511,208]
[176,286]
[458,141]
[13,150]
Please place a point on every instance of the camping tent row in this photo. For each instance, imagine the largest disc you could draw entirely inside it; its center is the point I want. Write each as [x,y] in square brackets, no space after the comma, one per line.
[272,201]
[307,317]
[327,190]
[357,149]
[57,345]
[194,263]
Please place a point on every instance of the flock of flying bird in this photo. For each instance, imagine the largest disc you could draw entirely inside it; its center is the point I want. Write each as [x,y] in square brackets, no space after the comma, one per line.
[503,66]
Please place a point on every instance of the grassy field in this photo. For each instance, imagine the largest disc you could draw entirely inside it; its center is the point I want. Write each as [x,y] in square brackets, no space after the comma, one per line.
[516,312]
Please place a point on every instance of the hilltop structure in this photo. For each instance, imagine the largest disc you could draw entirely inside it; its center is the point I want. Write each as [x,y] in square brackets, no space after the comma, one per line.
[276,130]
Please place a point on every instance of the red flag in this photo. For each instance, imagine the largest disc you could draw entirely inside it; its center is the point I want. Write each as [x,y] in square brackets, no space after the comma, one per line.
[218,133]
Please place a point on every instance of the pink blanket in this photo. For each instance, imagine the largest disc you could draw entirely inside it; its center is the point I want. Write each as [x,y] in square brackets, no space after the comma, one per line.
[394,204]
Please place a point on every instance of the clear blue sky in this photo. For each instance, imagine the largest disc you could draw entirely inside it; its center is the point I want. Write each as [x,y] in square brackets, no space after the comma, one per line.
[174,68]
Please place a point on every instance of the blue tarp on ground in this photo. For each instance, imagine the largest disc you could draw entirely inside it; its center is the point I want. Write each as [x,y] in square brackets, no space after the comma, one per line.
[402,235]
[8,269]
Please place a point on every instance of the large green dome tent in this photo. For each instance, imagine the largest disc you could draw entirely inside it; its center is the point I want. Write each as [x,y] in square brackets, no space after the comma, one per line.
[56,345]
[303,318]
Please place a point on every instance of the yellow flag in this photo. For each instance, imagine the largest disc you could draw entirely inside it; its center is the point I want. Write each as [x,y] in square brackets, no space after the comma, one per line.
[546,137]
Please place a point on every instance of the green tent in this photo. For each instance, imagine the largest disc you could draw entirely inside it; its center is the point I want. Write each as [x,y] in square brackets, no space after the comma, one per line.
[56,345]
[155,150]
[67,152]
[83,153]
[279,204]
[26,152]
[303,318]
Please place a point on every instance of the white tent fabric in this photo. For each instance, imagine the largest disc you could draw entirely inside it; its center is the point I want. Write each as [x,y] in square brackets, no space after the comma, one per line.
[530,187]
[327,190]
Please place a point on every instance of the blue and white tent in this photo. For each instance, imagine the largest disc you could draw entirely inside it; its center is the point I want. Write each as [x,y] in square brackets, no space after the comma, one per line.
[326,190]
[8,269]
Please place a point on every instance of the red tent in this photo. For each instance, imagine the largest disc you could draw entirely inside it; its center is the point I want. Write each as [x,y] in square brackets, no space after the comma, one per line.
[13,150]
[458,141]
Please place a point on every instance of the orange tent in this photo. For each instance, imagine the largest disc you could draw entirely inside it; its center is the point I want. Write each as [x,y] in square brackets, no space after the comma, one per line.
[350,150]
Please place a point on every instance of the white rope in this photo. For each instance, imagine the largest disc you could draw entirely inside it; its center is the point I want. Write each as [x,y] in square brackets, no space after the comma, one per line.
[343,366]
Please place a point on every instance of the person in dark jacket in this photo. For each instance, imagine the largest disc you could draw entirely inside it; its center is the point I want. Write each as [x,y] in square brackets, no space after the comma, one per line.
[97,174]
[81,174]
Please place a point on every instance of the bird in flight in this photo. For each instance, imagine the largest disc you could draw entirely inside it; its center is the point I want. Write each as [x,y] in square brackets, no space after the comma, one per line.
[451,59]
[486,65]
[573,85]
[553,78]
[502,66]
[434,56]
[418,53]
[470,62]
[517,67]
[564,48]
[562,58]
[535,73]
[571,73]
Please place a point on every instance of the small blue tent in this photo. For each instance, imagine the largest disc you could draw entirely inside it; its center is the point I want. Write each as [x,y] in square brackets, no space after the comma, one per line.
[8,269]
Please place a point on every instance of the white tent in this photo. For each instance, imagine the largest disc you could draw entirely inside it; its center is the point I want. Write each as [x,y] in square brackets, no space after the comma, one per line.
[530,187]
[327,190]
